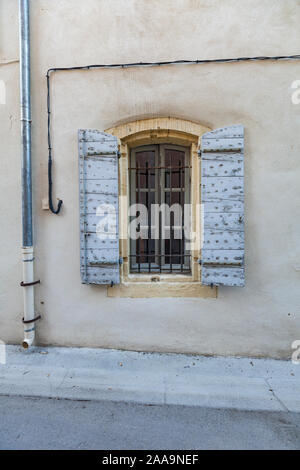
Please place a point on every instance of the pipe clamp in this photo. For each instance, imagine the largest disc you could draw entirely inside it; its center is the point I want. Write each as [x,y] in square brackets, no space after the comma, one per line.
[27,284]
[26,322]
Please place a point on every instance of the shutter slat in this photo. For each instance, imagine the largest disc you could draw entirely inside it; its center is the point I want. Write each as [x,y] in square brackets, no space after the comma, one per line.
[221,156]
[93,135]
[94,243]
[230,145]
[98,185]
[226,132]
[223,256]
[221,168]
[218,221]
[222,195]
[92,201]
[224,206]
[100,168]
[102,275]
[220,188]
[223,276]
[100,255]
[107,187]
[222,240]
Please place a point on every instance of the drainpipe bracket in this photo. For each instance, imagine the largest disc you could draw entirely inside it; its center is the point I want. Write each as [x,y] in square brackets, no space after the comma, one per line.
[26,322]
[27,284]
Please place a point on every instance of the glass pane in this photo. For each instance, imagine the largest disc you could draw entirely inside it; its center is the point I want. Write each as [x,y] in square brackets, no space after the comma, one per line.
[174,173]
[173,251]
[145,248]
[145,177]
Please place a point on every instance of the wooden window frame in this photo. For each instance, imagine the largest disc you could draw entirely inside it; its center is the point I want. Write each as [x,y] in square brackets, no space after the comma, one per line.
[148,132]
[160,189]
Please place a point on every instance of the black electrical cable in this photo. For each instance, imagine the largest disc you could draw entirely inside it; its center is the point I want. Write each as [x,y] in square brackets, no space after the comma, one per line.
[54,211]
[135,64]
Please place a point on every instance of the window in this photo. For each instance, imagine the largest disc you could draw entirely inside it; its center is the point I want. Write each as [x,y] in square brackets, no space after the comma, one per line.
[162,161]
[159,196]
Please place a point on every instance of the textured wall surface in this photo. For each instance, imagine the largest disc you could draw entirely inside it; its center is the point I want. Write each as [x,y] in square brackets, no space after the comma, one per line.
[261,319]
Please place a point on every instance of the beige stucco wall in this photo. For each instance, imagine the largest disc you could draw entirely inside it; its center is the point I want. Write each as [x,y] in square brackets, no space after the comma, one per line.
[263,318]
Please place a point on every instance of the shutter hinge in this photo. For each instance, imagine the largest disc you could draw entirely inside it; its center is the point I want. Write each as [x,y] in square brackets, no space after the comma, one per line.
[118,153]
[199,152]
[121,260]
[199,261]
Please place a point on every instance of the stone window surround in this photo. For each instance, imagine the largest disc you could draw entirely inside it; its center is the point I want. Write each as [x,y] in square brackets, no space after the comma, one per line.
[146,132]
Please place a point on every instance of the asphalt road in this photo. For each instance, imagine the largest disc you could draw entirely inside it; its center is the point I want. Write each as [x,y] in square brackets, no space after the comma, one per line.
[41,423]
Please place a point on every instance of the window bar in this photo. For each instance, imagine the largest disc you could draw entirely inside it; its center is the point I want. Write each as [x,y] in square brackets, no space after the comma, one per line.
[159,189]
[148,203]
[171,214]
[159,168]
[181,194]
[132,196]
[138,201]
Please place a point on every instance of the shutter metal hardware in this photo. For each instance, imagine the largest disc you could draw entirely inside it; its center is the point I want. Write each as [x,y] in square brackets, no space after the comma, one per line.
[227,151]
[103,263]
[26,322]
[28,284]
[121,261]
[214,263]
[98,154]
[199,152]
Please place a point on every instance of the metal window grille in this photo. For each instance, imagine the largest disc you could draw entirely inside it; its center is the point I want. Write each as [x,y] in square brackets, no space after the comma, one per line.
[160,174]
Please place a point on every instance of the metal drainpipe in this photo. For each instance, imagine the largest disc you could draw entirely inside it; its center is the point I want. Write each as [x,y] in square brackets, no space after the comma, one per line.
[27,239]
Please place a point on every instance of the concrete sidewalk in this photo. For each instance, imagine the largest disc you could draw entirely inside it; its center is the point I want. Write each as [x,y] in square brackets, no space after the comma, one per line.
[125,376]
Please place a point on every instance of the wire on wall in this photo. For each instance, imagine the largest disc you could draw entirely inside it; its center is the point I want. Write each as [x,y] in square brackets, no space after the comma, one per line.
[129,65]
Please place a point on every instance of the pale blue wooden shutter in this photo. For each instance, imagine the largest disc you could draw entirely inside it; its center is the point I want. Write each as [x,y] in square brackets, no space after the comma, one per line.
[99,207]
[222,190]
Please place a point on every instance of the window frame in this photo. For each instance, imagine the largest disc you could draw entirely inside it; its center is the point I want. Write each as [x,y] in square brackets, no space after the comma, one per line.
[171,131]
[160,190]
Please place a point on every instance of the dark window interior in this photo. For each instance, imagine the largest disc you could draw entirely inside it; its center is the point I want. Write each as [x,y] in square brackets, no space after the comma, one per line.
[160,174]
